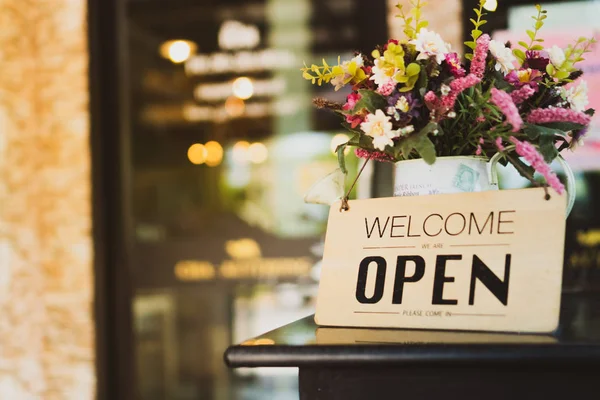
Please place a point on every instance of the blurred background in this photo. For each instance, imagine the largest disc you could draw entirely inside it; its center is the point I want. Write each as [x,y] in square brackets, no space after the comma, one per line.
[192,233]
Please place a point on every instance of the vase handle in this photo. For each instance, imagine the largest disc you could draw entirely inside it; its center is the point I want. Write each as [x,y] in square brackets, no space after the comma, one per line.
[571,191]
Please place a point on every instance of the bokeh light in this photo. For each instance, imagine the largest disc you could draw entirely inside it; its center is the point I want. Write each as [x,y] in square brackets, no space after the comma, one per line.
[243,88]
[214,153]
[257,153]
[197,154]
[177,51]
[338,139]
[234,106]
[239,152]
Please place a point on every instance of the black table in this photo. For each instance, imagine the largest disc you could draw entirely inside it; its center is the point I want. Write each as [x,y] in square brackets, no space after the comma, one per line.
[348,364]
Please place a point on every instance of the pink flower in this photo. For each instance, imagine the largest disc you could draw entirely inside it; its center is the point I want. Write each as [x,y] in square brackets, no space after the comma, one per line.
[499,144]
[458,86]
[441,106]
[481,141]
[478,151]
[387,88]
[354,120]
[520,95]
[535,159]
[547,115]
[373,155]
[431,99]
[454,64]
[508,108]
[351,101]
[480,55]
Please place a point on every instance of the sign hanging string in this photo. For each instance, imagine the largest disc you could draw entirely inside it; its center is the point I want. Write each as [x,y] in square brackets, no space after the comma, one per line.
[345,206]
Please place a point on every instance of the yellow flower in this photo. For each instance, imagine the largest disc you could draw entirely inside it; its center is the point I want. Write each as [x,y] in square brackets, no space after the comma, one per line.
[339,75]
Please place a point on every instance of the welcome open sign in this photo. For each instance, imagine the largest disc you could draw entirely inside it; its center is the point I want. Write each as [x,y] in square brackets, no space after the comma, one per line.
[478,261]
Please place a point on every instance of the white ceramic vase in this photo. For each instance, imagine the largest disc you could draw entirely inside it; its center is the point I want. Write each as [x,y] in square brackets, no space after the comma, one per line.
[460,174]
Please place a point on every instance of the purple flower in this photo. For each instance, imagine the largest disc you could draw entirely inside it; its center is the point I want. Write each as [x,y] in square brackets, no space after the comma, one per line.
[536,60]
[524,76]
[578,136]
[453,63]
[403,106]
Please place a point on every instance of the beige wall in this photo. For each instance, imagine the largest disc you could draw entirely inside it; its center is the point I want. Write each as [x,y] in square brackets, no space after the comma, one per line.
[46,326]
[444,16]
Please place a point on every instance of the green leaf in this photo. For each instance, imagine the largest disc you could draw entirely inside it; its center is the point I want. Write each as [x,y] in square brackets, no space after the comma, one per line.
[470,44]
[406,147]
[473,21]
[476,33]
[536,47]
[366,142]
[547,148]
[564,126]
[413,69]
[422,24]
[531,34]
[561,74]
[341,157]
[420,142]
[426,149]
[519,54]
[538,25]
[528,168]
[550,69]
[370,100]
[523,44]
[537,131]
[469,56]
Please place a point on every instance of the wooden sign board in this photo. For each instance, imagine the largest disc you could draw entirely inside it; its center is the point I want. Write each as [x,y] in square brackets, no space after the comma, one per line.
[489,261]
[345,336]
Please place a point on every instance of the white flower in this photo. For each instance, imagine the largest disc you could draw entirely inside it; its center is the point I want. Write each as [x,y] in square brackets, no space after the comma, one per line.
[379,127]
[381,75]
[338,81]
[358,60]
[428,44]
[557,56]
[402,104]
[504,57]
[407,130]
[577,96]
[445,89]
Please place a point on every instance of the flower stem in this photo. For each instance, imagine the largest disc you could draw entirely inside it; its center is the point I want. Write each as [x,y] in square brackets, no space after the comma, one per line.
[526,174]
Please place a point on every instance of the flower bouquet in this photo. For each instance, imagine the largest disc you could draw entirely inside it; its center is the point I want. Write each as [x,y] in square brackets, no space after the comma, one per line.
[414,98]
